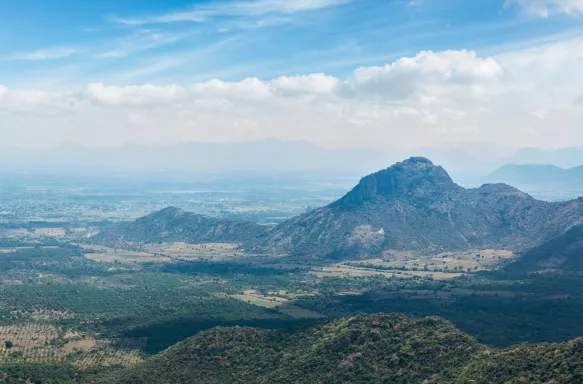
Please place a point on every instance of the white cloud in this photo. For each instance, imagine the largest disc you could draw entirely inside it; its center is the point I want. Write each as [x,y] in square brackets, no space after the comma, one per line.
[134,96]
[205,12]
[36,102]
[247,89]
[45,54]
[545,8]
[318,83]
[422,74]
[529,97]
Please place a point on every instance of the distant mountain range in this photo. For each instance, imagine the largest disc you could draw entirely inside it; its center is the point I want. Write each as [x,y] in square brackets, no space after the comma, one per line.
[562,157]
[381,348]
[412,206]
[466,162]
[259,156]
[538,175]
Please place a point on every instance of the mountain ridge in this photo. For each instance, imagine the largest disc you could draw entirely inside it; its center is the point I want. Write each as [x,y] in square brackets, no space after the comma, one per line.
[411,206]
[380,348]
[172,224]
[415,206]
[537,174]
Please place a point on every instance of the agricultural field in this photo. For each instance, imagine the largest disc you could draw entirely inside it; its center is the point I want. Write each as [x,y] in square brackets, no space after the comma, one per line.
[169,252]
[110,255]
[50,232]
[281,304]
[41,343]
[32,233]
[348,270]
[450,263]
[16,233]
[403,265]
[216,252]
[184,251]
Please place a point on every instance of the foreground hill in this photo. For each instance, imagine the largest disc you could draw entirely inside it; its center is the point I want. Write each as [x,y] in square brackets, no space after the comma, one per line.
[174,225]
[363,349]
[415,206]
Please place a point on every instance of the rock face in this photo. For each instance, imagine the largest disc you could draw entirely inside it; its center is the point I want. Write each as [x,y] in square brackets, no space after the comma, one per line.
[415,206]
[174,225]
[413,179]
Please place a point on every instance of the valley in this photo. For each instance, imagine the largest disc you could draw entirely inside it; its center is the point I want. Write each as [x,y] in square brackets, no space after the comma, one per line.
[291,192]
[111,300]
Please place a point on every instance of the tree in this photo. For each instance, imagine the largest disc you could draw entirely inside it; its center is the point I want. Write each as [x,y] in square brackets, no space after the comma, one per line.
[8,344]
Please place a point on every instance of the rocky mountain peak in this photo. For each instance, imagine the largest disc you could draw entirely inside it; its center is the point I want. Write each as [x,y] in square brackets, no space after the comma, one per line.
[417,162]
[416,177]
[170,211]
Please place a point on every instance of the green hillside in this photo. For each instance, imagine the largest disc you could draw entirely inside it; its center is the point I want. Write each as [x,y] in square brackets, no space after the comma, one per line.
[383,348]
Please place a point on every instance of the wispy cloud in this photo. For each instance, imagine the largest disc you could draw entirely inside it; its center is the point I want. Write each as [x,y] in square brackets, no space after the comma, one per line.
[210,11]
[122,47]
[45,54]
[546,8]
[140,41]
[264,22]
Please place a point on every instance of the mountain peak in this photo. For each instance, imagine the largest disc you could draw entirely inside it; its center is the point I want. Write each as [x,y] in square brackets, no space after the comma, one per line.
[416,177]
[417,161]
[170,211]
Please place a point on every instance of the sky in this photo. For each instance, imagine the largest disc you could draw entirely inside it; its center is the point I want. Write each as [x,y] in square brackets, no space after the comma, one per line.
[339,73]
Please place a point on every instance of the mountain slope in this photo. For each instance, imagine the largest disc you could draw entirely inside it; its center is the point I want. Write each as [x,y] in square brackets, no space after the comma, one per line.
[415,206]
[411,206]
[174,225]
[362,349]
[562,254]
[560,363]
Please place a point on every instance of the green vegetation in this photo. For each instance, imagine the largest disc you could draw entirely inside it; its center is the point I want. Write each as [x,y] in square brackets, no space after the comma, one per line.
[362,349]
[71,315]
[528,364]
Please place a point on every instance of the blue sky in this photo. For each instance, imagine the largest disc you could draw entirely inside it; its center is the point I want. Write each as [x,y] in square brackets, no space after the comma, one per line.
[339,73]
[64,43]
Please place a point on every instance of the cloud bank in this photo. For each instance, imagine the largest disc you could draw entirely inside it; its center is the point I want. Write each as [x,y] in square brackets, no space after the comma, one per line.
[530,97]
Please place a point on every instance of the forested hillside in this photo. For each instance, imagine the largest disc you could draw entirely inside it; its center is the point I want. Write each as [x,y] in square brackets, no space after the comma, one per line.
[362,349]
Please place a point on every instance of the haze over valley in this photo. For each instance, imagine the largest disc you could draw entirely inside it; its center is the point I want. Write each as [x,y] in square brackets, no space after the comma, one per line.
[291,191]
